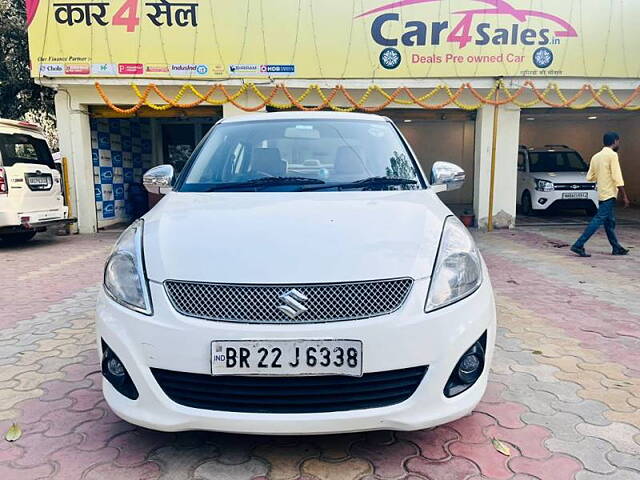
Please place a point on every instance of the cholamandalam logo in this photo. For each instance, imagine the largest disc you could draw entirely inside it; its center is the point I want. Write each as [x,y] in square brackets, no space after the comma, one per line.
[474,27]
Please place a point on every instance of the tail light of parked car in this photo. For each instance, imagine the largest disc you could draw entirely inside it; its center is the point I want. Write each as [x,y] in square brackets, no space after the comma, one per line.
[4,184]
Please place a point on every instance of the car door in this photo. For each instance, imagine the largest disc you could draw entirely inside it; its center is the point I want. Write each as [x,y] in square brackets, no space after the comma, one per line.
[34,182]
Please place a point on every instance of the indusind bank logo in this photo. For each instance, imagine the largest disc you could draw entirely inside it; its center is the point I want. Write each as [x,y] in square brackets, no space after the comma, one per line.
[475,26]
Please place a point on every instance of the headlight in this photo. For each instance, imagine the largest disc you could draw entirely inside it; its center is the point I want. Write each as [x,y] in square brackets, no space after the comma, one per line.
[124,277]
[544,186]
[458,270]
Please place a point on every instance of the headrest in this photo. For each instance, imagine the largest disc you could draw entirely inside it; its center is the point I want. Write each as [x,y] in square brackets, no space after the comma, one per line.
[269,161]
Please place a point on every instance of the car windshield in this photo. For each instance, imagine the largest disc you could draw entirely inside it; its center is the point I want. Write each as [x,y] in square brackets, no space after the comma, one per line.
[19,148]
[556,162]
[292,154]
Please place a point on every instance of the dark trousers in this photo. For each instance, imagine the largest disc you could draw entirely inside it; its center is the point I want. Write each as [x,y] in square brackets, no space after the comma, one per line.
[606,216]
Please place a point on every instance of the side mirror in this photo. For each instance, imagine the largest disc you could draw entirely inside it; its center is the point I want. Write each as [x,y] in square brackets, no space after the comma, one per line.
[158,179]
[447,176]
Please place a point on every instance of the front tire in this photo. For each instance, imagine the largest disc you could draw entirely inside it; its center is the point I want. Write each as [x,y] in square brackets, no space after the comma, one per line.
[17,238]
[527,205]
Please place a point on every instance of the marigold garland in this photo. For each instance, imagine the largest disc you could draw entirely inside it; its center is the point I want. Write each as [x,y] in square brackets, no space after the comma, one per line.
[500,94]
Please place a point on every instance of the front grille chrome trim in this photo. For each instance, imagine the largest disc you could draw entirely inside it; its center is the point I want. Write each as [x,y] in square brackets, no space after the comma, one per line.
[575,187]
[260,304]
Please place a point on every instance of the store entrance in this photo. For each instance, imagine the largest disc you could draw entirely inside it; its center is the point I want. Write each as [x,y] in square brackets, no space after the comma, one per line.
[582,132]
[179,140]
[124,148]
[448,136]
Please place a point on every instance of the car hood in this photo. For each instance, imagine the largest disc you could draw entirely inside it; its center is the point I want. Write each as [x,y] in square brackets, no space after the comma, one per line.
[284,238]
[561,177]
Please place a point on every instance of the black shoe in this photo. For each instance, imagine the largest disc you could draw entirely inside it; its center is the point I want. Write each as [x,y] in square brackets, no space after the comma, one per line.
[580,252]
[620,251]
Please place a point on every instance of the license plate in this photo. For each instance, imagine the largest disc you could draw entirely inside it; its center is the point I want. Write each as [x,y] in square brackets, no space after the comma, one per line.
[575,195]
[287,357]
[38,181]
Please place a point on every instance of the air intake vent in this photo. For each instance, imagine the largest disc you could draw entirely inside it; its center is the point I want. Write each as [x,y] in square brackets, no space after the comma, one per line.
[290,394]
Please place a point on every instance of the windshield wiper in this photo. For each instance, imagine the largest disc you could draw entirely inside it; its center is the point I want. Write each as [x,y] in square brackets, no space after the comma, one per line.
[267,182]
[365,183]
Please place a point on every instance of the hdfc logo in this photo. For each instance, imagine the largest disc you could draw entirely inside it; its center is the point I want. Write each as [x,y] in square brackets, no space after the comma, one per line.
[278,69]
[130,69]
[77,69]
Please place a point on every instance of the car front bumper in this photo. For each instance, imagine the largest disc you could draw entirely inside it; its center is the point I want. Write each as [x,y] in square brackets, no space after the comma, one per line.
[555,199]
[408,338]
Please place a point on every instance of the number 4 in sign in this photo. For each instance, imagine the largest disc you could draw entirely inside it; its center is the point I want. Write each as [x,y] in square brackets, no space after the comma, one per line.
[127,15]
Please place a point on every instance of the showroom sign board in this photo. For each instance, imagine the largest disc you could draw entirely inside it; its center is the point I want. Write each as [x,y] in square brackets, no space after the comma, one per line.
[333,39]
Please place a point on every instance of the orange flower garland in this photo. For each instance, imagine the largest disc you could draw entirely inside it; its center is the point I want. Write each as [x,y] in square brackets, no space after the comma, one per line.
[504,96]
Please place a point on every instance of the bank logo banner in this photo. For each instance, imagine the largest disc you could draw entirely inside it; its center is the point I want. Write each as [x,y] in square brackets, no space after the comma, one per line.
[334,38]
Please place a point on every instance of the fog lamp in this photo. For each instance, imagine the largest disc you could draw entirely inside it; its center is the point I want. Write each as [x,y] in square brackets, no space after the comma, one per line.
[468,369]
[115,367]
[116,374]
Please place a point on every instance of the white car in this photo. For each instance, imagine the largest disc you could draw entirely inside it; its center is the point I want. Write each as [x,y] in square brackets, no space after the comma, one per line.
[554,177]
[301,276]
[31,198]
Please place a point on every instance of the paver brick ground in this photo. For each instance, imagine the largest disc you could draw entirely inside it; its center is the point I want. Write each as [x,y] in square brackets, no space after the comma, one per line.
[564,394]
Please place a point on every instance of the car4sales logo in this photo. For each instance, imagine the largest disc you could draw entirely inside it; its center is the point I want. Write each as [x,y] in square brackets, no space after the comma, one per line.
[474,26]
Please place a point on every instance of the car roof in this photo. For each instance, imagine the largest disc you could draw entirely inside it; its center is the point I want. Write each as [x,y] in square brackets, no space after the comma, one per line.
[16,126]
[547,148]
[302,115]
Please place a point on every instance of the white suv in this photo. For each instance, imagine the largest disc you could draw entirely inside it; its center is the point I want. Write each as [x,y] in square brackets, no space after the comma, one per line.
[301,276]
[31,198]
[554,177]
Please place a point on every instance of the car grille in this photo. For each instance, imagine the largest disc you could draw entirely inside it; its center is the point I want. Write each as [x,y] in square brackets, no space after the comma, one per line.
[260,304]
[575,186]
[289,394]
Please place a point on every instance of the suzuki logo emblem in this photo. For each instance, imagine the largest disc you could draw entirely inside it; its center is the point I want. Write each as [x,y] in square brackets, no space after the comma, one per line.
[292,307]
[575,187]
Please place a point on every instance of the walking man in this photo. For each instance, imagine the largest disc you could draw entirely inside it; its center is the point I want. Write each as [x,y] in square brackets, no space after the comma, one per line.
[605,170]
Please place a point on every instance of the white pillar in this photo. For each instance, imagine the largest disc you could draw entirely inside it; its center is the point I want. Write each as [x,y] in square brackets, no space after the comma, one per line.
[506,170]
[75,144]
